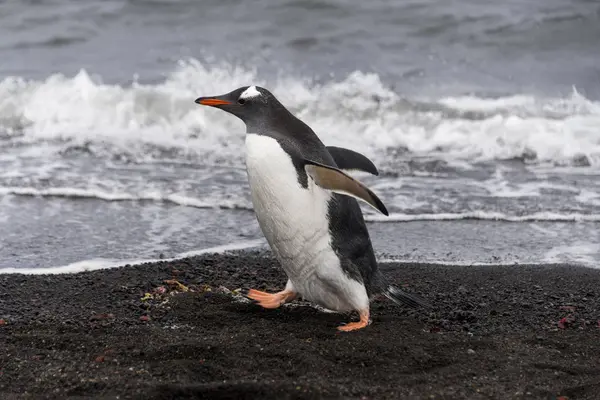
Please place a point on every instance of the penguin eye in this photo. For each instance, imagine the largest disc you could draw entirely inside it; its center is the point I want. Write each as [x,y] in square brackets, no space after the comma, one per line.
[241,102]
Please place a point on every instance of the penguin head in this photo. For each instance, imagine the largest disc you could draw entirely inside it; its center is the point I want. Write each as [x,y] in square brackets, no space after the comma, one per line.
[248,103]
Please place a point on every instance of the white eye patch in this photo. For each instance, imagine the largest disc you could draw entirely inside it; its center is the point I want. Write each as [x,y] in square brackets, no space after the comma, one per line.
[250,92]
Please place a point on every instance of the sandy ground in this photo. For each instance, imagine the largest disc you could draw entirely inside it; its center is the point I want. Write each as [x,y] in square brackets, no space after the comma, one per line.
[496,333]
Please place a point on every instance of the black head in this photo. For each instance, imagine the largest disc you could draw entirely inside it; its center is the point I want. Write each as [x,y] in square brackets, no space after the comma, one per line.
[249,103]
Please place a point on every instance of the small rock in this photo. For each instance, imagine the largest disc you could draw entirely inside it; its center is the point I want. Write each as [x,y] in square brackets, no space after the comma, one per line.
[223,290]
[566,321]
[144,318]
[463,316]
[99,359]
[2,322]
[470,351]
[102,316]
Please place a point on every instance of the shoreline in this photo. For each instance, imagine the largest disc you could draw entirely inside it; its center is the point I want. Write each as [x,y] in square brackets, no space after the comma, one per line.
[497,331]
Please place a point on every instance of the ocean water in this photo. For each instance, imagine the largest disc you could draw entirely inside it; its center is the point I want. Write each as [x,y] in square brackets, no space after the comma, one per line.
[484,121]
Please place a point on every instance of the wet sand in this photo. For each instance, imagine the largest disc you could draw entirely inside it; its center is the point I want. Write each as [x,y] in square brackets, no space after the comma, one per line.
[497,332]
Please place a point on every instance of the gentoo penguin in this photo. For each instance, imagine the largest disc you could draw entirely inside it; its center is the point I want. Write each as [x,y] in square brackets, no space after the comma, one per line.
[306,207]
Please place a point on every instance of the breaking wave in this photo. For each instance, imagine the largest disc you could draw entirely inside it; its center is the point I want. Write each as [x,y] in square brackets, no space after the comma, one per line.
[75,193]
[240,204]
[358,111]
[486,216]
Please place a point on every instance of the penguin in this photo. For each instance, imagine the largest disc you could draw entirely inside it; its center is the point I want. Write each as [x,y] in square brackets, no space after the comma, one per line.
[307,207]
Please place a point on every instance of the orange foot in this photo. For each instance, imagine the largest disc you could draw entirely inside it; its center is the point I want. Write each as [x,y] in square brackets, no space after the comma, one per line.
[268,300]
[352,326]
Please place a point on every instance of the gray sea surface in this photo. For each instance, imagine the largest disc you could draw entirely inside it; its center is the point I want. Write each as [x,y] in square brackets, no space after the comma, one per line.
[483,118]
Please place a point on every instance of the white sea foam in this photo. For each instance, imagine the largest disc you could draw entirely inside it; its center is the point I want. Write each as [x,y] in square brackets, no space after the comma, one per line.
[588,197]
[358,112]
[585,253]
[569,258]
[103,263]
[370,216]
[486,215]
[442,263]
[121,196]
[526,105]
[500,186]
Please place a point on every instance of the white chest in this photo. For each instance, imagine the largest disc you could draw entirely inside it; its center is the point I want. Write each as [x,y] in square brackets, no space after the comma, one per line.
[295,222]
[292,218]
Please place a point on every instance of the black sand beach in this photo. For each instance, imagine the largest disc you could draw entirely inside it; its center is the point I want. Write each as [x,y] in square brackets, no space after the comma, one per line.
[498,332]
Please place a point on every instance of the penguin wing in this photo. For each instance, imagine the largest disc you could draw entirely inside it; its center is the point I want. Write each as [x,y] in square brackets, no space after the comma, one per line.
[333,179]
[347,159]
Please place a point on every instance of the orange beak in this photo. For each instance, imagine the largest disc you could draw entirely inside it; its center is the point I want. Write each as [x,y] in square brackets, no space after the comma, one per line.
[207,101]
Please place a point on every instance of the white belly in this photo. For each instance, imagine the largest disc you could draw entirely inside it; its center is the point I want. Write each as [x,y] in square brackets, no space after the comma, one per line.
[294,222]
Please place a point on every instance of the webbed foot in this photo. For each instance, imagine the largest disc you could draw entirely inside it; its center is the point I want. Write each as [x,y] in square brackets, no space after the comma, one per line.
[362,323]
[271,300]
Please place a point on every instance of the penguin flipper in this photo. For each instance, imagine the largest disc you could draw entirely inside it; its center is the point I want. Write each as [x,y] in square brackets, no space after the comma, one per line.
[337,181]
[347,159]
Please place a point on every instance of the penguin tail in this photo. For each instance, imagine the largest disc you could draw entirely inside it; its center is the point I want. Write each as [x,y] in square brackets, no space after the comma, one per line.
[399,296]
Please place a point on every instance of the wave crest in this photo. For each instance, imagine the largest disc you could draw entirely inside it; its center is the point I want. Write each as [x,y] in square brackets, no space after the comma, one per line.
[187,201]
[358,111]
[76,193]
[486,216]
